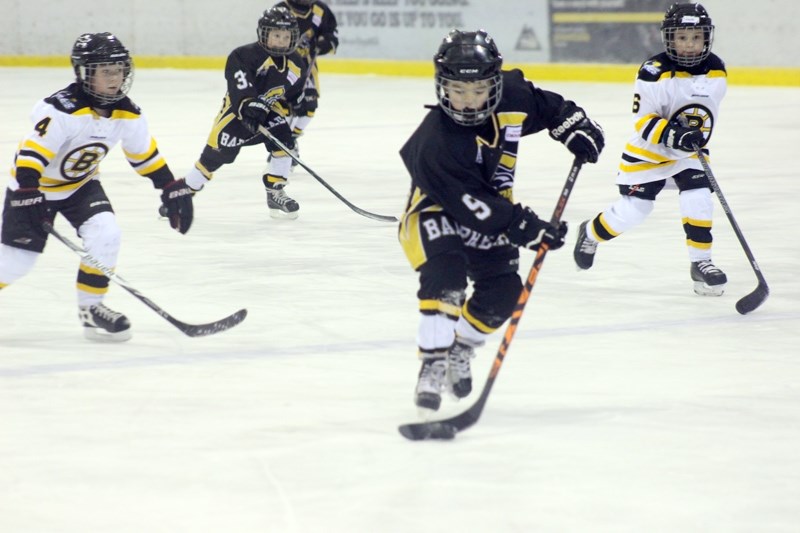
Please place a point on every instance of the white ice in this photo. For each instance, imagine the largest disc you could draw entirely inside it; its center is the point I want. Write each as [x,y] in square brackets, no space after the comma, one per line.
[626,403]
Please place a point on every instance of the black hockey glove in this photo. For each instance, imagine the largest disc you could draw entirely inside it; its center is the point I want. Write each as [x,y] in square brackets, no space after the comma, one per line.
[177,205]
[581,135]
[27,211]
[255,113]
[529,231]
[279,128]
[681,138]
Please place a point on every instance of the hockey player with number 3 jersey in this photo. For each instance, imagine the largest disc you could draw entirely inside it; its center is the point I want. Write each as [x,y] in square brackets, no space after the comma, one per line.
[461,222]
[57,170]
[263,79]
[675,107]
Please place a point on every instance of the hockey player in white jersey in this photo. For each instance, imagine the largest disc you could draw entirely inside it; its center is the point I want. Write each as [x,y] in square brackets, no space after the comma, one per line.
[675,107]
[56,170]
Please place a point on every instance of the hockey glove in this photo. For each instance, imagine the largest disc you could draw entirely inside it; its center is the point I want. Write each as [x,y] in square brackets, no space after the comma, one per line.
[279,128]
[254,113]
[529,231]
[681,138]
[177,205]
[581,135]
[27,211]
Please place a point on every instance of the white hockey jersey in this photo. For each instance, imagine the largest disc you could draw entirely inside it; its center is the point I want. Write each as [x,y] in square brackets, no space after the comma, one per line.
[664,92]
[69,140]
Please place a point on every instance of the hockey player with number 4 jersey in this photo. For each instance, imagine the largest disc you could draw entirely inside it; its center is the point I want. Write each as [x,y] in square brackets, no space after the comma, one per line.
[461,222]
[57,170]
[675,107]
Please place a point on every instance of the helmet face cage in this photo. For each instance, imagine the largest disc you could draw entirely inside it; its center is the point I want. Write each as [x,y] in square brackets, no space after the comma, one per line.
[687,16]
[93,51]
[278,18]
[468,57]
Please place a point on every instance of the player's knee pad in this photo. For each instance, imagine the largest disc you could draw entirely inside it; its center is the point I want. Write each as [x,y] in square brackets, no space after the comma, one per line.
[696,204]
[625,213]
[212,159]
[441,274]
[493,301]
[15,263]
[101,237]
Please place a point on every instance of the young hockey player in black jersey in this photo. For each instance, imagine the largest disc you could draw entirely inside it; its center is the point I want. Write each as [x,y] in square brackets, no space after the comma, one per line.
[675,106]
[461,221]
[318,36]
[56,170]
[264,78]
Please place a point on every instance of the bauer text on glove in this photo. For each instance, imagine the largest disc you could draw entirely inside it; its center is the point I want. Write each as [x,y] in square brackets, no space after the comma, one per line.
[177,201]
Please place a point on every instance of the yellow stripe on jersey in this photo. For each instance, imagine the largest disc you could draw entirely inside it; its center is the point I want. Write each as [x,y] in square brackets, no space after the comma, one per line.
[647,154]
[148,162]
[411,240]
[123,115]
[511,119]
[56,185]
[441,307]
[138,158]
[30,162]
[29,144]
[656,125]
[644,165]
[508,160]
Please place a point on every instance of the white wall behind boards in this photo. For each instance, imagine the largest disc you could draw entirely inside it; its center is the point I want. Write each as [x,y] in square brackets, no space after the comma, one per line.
[766,34]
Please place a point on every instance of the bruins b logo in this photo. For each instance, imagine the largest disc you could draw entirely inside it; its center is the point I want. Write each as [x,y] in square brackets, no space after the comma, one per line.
[697,117]
[83,161]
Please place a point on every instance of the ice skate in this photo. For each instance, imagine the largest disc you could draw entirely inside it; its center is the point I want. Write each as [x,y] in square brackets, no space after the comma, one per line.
[103,324]
[458,368]
[708,279]
[280,204]
[431,383]
[585,248]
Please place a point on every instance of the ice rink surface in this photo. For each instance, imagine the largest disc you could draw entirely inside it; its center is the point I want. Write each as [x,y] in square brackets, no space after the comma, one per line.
[626,403]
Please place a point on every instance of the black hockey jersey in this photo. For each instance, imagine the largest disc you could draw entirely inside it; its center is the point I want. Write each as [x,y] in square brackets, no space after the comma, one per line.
[251,72]
[318,29]
[469,171]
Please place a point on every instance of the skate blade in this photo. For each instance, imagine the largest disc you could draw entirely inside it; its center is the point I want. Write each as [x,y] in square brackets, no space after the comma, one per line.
[701,289]
[101,335]
[278,214]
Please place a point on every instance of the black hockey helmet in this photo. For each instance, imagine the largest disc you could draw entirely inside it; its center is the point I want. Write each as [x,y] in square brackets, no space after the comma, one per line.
[468,56]
[686,15]
[278,18]
[302,4]
[92,50]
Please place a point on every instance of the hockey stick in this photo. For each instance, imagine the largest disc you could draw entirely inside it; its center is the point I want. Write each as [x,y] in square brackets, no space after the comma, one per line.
[192,330]
[383,218]
[752,301]
[447,428]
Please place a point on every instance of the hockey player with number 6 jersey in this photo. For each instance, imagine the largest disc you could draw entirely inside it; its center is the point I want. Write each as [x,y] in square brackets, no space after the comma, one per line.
[675,108]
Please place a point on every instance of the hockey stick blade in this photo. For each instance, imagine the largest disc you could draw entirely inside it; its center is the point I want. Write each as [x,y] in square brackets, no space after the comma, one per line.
[192,330]
[753,301]
[374,216]
[448,428]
